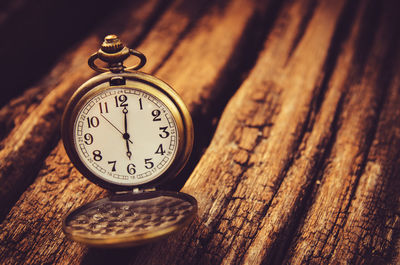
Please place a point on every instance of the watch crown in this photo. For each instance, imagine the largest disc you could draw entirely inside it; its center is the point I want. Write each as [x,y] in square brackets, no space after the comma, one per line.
[111,44]
[113,52]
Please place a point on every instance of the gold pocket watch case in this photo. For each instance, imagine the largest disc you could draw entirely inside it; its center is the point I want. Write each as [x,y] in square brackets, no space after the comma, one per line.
[128,132]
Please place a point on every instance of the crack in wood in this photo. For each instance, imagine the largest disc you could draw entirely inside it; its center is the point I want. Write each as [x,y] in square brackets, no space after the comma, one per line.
[309,10]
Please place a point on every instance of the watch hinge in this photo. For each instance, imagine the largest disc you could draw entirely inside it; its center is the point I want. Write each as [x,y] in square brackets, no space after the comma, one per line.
[134,191]
[137,190]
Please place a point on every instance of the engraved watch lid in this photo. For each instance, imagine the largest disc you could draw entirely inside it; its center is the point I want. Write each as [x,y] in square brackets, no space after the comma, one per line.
[130,219]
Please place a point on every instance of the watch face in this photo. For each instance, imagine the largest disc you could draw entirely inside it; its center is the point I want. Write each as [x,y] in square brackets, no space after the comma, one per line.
[125,136]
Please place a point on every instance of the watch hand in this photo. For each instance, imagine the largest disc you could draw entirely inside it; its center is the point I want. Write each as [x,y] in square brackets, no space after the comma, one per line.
[128,153]
[126,135]
[114,126]
[125,111]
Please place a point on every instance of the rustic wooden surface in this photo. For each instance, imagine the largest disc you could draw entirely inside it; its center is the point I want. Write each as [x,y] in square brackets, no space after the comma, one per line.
[296,106]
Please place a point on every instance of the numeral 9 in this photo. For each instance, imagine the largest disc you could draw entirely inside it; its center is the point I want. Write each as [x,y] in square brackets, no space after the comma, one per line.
[88,138]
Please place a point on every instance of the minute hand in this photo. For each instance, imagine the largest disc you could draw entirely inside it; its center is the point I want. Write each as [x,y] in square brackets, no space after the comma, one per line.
[126,135]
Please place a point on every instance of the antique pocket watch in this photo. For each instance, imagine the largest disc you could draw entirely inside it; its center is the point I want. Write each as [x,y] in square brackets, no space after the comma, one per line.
[128,132]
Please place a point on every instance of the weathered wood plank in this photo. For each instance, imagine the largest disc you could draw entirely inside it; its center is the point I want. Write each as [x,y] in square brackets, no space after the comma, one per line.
[257,139]
[372,229]
[31,122]
[372,226]
[74,190]
[304,165]
[23,240]
[330,220]
[264,165]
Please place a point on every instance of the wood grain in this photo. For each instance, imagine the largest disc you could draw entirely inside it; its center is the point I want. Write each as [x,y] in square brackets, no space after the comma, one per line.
[340,197]
[302,168]
[277,141]
[256,142]
[31,122]
[63,196]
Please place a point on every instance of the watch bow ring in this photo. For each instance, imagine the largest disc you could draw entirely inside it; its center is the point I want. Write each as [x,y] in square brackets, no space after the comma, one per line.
[114,52]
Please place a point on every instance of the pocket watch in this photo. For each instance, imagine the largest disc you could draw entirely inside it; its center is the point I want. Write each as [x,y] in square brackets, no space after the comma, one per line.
[128,132]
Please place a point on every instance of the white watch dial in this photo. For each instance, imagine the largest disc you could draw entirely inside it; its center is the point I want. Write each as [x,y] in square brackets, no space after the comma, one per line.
[126,136]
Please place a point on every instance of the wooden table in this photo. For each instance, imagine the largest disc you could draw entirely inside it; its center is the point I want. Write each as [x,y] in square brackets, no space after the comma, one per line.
[296,106]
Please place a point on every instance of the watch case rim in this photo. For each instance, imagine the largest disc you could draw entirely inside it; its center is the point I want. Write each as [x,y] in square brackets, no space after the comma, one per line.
[183,119]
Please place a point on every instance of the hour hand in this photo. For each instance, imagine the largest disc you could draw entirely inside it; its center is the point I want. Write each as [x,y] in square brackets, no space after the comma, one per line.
[128,152]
